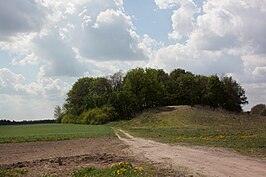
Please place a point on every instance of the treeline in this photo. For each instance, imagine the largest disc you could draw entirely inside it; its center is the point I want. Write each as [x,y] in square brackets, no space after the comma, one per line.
[121,96]
[25,122]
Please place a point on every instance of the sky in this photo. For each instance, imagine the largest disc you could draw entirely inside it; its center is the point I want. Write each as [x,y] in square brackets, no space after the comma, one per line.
[46,45]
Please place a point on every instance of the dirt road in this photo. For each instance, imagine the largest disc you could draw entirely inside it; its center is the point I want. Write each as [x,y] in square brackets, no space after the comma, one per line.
[197,161]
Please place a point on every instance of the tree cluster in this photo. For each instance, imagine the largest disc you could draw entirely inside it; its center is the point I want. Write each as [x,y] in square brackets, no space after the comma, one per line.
[121,96]
[25,122]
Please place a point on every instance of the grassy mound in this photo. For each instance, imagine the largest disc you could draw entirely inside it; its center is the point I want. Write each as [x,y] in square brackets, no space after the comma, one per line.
[184,124]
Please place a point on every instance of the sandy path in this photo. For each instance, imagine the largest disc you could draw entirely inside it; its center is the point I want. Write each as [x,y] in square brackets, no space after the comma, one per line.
[195,160]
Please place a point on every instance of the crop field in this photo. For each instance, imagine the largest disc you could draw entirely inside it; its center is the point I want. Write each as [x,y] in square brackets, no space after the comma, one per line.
[184,124]
[48,132]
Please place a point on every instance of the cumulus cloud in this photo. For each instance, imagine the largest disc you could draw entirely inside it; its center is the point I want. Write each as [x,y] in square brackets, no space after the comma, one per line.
[111,37]
[49,88]
[20,17]
[165,4]
[231,24]
[10,82]
[183,19]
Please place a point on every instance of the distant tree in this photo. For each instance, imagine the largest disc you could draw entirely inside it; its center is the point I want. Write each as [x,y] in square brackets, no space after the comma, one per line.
[259,109]
[58,113]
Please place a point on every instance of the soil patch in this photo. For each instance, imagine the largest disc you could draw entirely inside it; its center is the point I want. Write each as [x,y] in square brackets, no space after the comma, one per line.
[61,158]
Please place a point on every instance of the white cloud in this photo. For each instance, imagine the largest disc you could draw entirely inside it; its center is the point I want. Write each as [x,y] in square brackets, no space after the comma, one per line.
[98,44]
[16,107]
[10,82]
[165,4]
[256,93]
[183,19]
[231,24]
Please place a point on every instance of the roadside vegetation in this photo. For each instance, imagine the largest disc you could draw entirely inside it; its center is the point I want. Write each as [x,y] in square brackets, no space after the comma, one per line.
[12,172]
[122,96]
[116,169]
[45,132]
[200,126]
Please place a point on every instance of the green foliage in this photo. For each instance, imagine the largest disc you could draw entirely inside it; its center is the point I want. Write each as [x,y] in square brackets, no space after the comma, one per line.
[234,95]
[141,89]
[12,172]
[68,118]
[123,169]
[58,114]
[98,116]
[44,132]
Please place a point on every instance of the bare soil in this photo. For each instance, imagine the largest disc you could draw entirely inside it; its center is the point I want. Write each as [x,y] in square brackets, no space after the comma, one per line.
[61,158]
[196,161]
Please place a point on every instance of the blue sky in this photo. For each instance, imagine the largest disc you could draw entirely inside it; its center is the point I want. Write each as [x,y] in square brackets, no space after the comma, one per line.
[45,46]
[148,19]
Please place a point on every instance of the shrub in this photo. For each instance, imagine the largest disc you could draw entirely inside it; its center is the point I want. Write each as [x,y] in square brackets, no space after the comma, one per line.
[68,118]
[258,109]
[97,116]
[263,112]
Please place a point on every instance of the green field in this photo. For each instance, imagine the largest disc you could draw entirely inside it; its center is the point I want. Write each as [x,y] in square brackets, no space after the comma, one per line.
[47,132]
[197,126]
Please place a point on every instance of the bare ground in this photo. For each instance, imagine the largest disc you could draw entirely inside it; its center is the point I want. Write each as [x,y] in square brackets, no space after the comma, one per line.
[197,161]
[61,158]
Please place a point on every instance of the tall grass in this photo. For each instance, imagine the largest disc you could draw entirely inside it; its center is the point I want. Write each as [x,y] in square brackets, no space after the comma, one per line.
[45,132]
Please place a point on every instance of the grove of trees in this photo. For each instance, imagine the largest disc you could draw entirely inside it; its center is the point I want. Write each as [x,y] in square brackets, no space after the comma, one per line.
[121,96]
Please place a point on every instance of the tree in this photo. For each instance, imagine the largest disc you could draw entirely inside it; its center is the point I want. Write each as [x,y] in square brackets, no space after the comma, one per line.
[58,113]
[87,93]
[214,92]
[116,80]
[147,85]
[92,99]
[234,95]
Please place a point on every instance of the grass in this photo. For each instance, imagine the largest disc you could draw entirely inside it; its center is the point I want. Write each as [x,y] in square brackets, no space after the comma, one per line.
[197,126]
[12,172]
[48,132]
[117,169]
[125,169]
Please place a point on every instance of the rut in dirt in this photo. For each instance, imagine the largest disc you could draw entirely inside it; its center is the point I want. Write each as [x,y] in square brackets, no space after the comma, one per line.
[195,161]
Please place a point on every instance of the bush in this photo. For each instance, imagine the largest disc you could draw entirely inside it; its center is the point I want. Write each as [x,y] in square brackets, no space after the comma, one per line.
[258,109]
[68,118]
[263,112]
[97,116]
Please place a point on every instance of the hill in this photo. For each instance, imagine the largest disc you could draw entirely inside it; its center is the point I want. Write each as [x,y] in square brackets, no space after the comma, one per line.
[199,126]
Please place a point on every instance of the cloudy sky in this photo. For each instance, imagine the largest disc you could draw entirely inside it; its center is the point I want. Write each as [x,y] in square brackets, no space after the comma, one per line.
[45,45]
